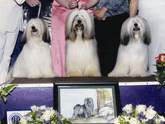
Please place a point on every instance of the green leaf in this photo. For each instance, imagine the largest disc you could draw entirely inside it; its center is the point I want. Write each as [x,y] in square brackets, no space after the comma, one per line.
[4,93]
[10,88]
[4,99]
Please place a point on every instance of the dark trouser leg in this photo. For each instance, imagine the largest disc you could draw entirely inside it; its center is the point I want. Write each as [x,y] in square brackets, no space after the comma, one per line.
[108,39]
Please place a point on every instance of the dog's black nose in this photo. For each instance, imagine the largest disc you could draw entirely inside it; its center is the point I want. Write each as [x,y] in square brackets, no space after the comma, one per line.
[33,27]
[79,21]
[136,25]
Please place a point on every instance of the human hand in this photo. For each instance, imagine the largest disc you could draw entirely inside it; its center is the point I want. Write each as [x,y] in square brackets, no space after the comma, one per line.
[84,6]
[33,3]
[100,13]
[94,9]
[72,4]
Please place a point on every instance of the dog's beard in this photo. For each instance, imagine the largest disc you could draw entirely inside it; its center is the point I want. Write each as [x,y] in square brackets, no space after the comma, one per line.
[79,29]
[136,34]
[34,34]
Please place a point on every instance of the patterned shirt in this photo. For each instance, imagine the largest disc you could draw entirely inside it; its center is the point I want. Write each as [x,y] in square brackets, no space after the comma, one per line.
[115,7]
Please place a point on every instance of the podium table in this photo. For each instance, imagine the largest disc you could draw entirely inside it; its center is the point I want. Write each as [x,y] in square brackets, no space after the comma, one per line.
[133,90]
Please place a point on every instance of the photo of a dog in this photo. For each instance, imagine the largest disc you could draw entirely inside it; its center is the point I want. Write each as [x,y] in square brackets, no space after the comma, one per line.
[34,60]
[132,58]
[81,46]
[85,110]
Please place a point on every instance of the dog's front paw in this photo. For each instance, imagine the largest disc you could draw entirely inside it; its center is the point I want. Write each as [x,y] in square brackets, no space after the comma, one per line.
[92,73]
[73,73]
[51,75]
[111,74]
[117,74]
[139,74]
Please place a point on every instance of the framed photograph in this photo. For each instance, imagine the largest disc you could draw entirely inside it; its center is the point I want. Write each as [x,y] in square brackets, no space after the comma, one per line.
[87,102]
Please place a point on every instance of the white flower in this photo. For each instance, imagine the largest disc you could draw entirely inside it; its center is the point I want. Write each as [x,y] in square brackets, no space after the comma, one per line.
[158,121]
[150,113]
[34,108]
[128,108]
[162,118]
[23,120]
[47,114]
[126,118]
[141,108]
[116,121]
[29,118]
[42,107]
[134,121]
[144,120]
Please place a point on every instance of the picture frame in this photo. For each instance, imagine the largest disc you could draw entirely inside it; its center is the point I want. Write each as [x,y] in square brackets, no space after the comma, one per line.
[13,116]
[87,102]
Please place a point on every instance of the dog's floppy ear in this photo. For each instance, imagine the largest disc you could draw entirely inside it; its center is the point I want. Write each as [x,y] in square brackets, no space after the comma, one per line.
[68,24]
[147,33]
[69,31]
[89,31]
[124,36]
[46,34]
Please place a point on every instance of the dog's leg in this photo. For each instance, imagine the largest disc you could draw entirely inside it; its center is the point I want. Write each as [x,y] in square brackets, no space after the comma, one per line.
[34,72]
[139,70]
[48,72]
[76,112]
[92,70]
[121,69]
[74,71]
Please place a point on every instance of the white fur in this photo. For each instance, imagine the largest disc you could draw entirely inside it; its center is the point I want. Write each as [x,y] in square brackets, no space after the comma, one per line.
[132,59]
[34,60]
[81,53]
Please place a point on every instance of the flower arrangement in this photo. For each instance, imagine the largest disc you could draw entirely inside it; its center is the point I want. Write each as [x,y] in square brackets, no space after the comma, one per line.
[5,91]
[139,115]
[160,64]
[43,115]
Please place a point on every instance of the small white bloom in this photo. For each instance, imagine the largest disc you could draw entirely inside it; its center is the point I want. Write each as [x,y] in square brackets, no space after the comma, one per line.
[141,108]
[162,118]
[128,108]
[134,121]
[34,108]
[47,114]
[116,121]
[126,118]
[42,107]
[23,120]
[158,121]
[150,113]
[29,118]
[144,120]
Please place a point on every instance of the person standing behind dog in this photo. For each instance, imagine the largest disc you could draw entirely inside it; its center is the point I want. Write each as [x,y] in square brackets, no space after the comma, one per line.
[154,12]
[60,10]
[11,22]
[109,17]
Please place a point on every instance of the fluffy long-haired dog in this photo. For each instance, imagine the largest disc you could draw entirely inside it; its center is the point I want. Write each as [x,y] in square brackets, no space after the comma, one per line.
[132,59]
[34,60]
[85,110]
[81,46]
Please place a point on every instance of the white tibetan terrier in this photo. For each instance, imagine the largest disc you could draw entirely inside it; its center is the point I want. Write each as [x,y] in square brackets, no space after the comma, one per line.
[132,59]
[81,46]
[34,60]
